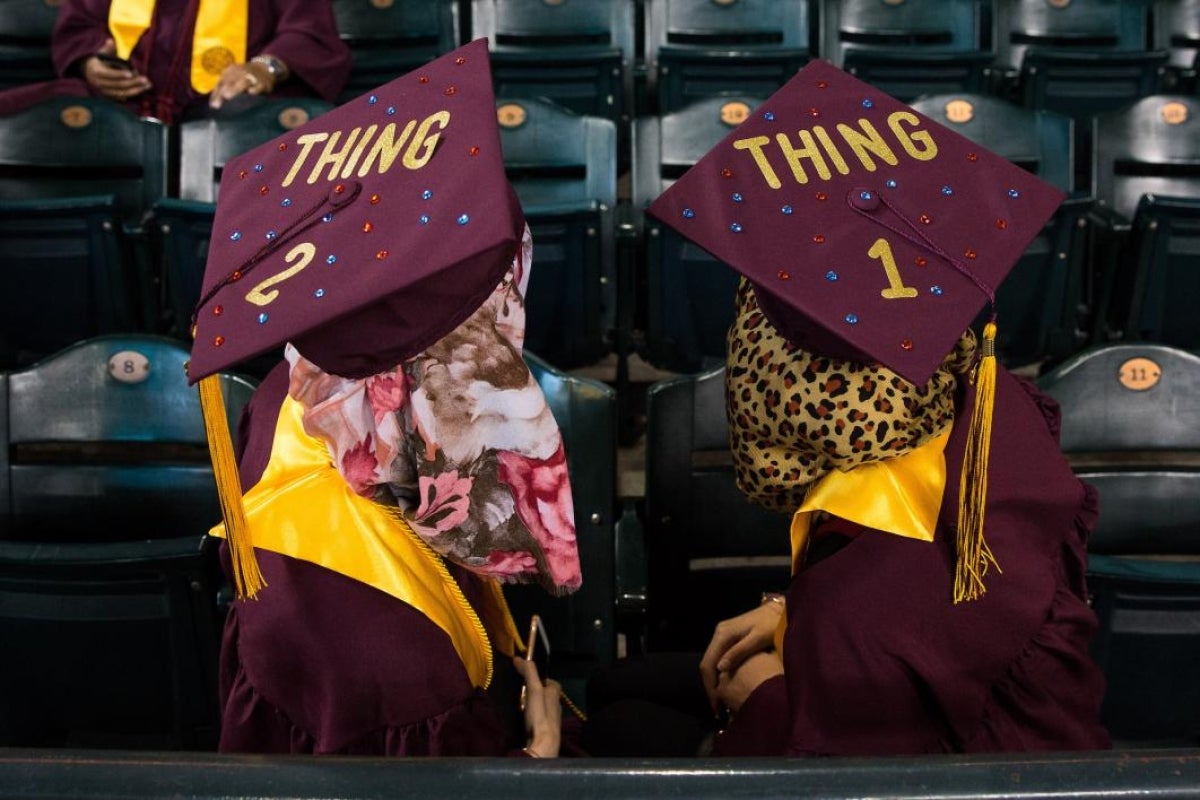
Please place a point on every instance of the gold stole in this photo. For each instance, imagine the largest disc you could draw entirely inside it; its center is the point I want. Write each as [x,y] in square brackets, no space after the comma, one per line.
[219,39]
[303,508]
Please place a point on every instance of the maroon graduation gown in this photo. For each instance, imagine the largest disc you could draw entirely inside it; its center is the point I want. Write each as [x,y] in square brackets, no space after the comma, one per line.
[879,661]
[320,663]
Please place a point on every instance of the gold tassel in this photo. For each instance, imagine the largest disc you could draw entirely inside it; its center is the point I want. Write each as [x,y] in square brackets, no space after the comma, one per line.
[247,579]
[974,555]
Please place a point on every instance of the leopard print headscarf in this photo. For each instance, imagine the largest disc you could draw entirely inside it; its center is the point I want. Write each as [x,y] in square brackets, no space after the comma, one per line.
[795,415]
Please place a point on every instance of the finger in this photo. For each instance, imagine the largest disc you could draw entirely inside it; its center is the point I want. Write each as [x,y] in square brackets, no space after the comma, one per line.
[527,670]
[737,654]
[109,48]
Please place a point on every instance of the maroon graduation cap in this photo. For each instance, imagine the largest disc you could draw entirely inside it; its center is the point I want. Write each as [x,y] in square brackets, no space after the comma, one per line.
[870,232]
[367,234]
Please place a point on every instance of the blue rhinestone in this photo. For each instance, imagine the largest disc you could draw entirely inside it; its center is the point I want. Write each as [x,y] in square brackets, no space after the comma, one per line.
[946,190]
[852,319]
[1013,193]
[285,202]
[319,293]
[331,259]
[271,235]
[688,213]
[463,219]
[424,219]
[328,217]
[864,195]
[937,290]
[769,116]
[236,236]
[428,193]
[258,167]
[786,210]
[736,227]
[831,276]
[868,103]
[391,110]
[890,183]
[262,318]
[737,197]
[372,100]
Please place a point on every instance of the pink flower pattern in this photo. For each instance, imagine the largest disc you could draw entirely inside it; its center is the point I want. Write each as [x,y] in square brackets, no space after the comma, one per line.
[460,438]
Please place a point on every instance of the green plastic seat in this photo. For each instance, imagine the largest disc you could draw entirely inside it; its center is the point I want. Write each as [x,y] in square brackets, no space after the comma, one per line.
[25,27]
[563,168]
[387,40]
[688,300]
[178,233]
[1043,306]
[908,49]
[1132,429]
[1177,30]
[577,53]
[207,144]
[710,553]
[581,626]
[697,49]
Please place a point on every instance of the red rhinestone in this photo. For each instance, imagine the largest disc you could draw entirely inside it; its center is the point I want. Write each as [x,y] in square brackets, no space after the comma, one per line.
[236,276]
[822,84]
[263,190]
[474,151]
[922,261]
[381,255]
[218,341]
[726,173]
[814,112]
[339,189]
[460,61]
[970,253]
[423,79]
[1001,224]
[972,156]
[283,147]
[784,275]
[925,219]
[218,310]
[822,196]
[368,227]
[374,199]
[819,238]
[450,91]
[906,344]
[243,174]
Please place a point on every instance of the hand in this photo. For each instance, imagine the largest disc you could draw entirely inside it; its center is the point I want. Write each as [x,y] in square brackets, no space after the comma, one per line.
[249,78]
[543,711]
[115,83]
[734,641]
[736,685]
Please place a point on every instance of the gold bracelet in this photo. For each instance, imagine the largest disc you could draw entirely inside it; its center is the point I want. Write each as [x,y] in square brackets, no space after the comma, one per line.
[773,597]
[527,750]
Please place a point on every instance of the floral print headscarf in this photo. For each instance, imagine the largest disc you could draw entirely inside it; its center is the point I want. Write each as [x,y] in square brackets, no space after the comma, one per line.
[460,439]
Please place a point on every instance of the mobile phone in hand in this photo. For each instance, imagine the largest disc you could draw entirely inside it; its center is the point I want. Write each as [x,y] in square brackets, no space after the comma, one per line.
[116,63]
[537,647]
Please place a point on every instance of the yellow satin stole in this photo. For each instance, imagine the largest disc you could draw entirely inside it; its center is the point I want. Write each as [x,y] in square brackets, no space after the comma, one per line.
[303,508]
[219,39]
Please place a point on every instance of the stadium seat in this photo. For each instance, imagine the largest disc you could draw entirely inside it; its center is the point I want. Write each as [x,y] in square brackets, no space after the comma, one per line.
[688,298]
[563,167]
[388,39]
[105,442]
[25,27]
[206,144]
[83,146]
[1079,58]
[577,53]
[908,49]
[710,553]
[695,49]
[1044,304]
[581,626]
[1132,429]
[1177,30]
[178,232]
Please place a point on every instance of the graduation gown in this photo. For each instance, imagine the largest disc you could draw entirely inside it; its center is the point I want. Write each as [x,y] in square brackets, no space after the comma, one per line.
[879,661]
